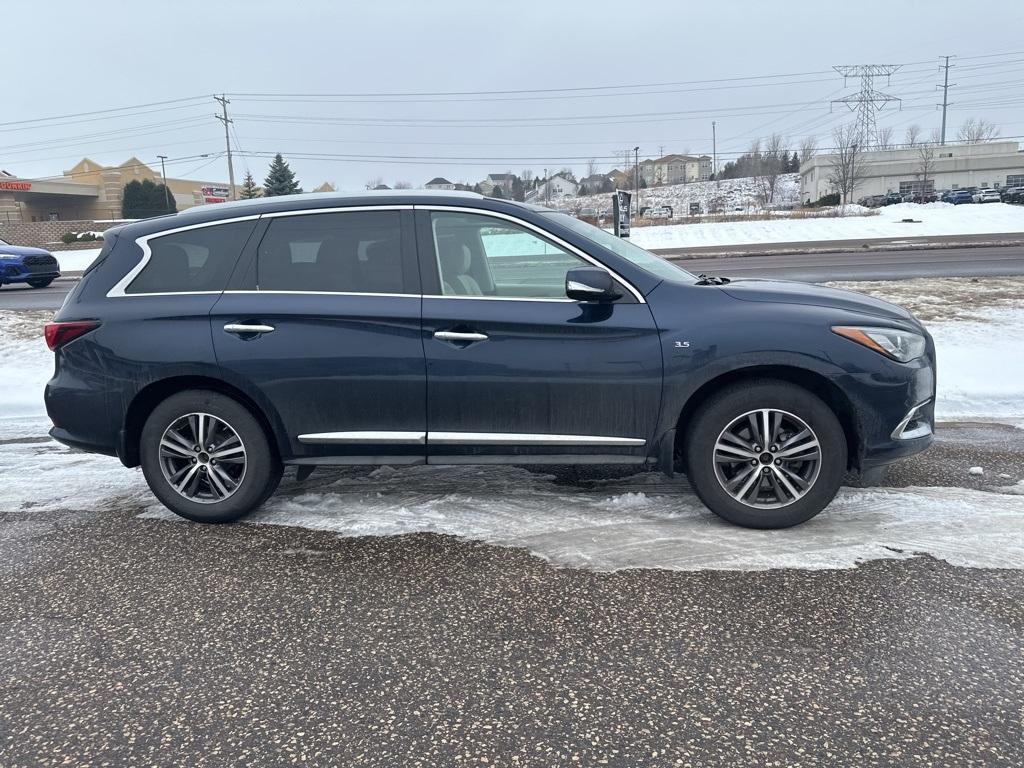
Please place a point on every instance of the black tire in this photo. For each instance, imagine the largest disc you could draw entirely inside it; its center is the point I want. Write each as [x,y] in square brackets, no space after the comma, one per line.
[40,283]
[262,468]
[722,409]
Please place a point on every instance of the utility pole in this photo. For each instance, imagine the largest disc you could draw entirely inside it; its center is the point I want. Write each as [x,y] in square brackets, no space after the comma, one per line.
[163,173]
[945,98]
[224,101]
[714,154]
[636,179]
[868,101]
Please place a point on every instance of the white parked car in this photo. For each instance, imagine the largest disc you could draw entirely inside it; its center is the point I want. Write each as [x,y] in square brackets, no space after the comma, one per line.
[987,196]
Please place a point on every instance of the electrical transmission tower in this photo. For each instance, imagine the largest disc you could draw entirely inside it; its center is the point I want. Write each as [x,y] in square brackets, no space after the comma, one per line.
[868,101]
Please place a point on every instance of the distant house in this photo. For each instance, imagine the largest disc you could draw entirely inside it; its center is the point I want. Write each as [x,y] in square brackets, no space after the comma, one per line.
[439,183]
[594,183]
[675,169]
[503,180]
[381,187]
[557,186]
[326,187]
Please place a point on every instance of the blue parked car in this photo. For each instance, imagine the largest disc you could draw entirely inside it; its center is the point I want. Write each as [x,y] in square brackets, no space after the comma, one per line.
[219,345]
[958,197]
[34,266]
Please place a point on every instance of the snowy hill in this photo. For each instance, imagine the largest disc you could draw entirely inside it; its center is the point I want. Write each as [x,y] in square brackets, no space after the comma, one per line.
[726,195]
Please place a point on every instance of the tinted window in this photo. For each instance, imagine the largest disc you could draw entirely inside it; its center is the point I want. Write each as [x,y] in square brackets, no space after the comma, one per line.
[338,252]
[193,260]
[484,256]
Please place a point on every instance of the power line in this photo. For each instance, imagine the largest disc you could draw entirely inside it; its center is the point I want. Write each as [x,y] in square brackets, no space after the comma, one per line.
[224,101]
[945,99]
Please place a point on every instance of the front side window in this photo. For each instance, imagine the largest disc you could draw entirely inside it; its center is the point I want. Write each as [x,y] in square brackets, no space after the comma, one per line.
[484,256]
[358,252]
[192,261]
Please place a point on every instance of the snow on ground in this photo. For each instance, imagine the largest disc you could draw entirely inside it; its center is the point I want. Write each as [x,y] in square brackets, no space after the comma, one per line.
[643,521]
[932,219]
[76,261]
[726,195]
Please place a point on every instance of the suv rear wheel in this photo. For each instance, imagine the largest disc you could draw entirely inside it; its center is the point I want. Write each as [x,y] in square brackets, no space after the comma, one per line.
[207,458]
[766,454]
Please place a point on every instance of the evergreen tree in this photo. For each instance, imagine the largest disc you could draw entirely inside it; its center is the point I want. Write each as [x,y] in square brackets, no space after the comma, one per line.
[249,187]
[280,179]
[496,193]
[143,199]
[518,193]
[476,188]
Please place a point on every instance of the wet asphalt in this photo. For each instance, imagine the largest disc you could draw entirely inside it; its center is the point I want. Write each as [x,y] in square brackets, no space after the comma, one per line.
[129,641]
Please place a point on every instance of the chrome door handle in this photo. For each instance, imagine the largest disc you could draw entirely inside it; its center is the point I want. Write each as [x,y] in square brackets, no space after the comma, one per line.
[459,336]
[247,328]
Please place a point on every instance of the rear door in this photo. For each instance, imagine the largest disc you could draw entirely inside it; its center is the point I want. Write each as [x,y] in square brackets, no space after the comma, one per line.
[325,328]
[514,367]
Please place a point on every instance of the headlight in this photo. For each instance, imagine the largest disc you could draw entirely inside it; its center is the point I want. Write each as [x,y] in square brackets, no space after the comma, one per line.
[8,257]
[892,342]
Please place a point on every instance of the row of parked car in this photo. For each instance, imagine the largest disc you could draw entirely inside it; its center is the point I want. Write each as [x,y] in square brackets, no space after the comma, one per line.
[954,196]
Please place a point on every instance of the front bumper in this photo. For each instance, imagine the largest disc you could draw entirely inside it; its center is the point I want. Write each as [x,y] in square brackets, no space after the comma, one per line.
[19,273]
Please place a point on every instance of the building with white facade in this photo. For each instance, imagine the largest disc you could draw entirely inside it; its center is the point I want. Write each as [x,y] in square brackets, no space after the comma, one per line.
[951,166]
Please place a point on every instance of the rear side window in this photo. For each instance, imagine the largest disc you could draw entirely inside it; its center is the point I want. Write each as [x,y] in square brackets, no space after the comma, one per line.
[193,260]
[359,252]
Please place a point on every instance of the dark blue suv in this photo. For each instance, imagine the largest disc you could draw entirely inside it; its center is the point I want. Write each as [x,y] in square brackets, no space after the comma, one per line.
[217,346]
[20,264]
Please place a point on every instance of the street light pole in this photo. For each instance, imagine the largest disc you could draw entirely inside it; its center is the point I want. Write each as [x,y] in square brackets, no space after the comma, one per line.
[636,177]
[163,174]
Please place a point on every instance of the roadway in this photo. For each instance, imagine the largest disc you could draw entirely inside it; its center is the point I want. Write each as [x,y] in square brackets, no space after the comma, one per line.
[808,267]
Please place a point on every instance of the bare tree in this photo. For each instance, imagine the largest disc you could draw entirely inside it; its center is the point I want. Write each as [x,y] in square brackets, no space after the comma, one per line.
[807,148]
[768,167]
[885,136]
[846,162]
[403,185]
[925,170]
[935,137]
[375,182]
[591,167]
[913,135]
[976,131]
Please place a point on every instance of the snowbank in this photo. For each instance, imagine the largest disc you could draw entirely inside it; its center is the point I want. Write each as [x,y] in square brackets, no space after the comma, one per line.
[76,261]
[933,219]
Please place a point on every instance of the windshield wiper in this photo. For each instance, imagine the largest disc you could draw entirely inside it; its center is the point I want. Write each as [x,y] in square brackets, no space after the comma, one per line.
[703,279]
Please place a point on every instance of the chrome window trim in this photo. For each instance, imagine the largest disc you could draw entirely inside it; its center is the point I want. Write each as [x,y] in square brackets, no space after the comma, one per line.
[541,231]
[118,291]
[119,288]
[339,209]
[369,437]
[327,293]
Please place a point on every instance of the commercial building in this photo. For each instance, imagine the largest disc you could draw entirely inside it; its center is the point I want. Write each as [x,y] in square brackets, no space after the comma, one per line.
[91,191]
[951,166]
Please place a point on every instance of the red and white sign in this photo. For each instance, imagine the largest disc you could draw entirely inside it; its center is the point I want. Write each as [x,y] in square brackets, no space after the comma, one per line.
[214,194]
[16,186]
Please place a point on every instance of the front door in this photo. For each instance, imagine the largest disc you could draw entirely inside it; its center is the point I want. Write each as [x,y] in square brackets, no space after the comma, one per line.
[514,367]
[326,330]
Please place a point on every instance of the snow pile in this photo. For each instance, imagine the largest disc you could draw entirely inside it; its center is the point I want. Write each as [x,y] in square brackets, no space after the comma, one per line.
[726,195]
[930,220]
[76,261]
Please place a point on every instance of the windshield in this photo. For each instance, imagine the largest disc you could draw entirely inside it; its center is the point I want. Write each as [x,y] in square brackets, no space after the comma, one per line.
[646,260]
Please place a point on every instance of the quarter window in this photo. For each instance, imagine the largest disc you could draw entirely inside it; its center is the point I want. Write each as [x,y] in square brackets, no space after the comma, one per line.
[484,256]
[192,261]
[359,252]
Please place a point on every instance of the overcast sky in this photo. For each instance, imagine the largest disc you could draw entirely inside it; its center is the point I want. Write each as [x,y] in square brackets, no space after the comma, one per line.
[549,70]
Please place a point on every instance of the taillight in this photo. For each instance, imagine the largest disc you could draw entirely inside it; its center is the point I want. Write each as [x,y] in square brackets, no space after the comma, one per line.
[59,334]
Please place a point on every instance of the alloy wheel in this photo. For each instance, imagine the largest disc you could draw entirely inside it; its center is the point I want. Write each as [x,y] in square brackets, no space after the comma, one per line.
[767,458]
[202,458]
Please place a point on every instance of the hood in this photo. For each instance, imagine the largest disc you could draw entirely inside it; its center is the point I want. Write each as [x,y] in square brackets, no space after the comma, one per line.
[20,250]
[787,292]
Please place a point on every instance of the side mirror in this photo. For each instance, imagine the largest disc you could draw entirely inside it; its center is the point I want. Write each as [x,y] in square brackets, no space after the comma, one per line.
[590,284]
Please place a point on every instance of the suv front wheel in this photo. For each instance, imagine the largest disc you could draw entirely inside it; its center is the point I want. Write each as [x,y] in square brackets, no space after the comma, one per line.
[207,458]
[765,454]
